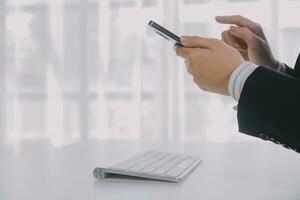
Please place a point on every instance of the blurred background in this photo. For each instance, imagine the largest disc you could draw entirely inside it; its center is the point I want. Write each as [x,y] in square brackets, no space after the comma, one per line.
[72,70]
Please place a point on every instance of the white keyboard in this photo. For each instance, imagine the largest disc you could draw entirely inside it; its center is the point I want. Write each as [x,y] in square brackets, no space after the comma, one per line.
[153,165]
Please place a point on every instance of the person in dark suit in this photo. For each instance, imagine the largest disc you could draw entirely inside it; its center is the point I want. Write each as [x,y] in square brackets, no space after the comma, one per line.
[243,66]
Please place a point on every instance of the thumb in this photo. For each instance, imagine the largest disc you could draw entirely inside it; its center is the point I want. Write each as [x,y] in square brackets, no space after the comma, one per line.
[198,42]
[243,33]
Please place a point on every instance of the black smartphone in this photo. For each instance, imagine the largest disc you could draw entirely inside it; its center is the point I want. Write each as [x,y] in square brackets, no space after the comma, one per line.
[168,35]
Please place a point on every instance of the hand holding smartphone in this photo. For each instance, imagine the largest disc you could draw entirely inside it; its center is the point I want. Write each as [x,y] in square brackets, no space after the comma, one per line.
[168,35]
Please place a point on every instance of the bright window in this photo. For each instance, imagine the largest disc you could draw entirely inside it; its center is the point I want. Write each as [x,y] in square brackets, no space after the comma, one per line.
[75,69]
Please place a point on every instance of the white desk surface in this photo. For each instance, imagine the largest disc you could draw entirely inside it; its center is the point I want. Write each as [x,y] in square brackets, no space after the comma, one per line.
[229,171]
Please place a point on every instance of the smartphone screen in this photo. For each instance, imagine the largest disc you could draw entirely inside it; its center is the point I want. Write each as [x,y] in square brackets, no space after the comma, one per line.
[168,35]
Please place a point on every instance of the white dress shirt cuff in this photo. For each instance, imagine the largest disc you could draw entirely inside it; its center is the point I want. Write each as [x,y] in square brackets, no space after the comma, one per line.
[281,67]
[239,77]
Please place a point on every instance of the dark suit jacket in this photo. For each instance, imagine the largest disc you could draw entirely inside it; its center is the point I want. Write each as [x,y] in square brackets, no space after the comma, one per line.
[269,106]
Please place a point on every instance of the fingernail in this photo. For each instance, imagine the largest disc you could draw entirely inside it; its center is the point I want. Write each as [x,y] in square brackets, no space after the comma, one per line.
[233,29]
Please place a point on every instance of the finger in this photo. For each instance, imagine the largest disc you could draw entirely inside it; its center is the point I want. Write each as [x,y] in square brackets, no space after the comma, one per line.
[235,42]
[224,39]
[244,54]
[198,57]
[237,20]
[198,42]
[242,43]
[229,38]
[244,34]
[183,52]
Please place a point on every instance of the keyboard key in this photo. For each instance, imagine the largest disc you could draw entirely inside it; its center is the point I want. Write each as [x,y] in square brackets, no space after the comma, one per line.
[163,169]
[159,163]
[176,171]
[188,161]
[146,163]
[131,162]
[181,167]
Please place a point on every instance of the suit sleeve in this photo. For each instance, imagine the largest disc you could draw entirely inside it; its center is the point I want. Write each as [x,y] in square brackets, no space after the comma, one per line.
[269,105]
[296,71]
[290,71]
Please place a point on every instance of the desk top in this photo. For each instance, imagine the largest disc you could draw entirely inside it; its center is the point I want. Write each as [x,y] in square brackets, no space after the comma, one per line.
[229,171]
